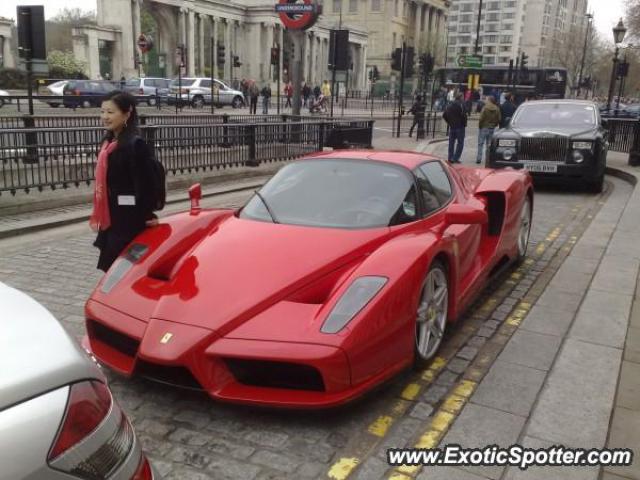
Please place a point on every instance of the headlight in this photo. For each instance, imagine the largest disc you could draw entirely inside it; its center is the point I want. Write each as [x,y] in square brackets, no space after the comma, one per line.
[578,157]
[507,154]
[582,145]
[506,143]
[357,296]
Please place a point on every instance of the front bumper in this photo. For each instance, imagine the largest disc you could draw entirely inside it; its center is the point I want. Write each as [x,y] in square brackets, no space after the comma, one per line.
[589,170]
[254,372]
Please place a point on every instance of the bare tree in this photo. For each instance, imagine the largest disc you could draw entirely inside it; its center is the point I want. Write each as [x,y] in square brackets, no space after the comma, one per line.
[58,28]
[632,20]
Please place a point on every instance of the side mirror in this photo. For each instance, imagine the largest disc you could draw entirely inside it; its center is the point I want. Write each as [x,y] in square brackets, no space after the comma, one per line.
[465,215]
[195,194]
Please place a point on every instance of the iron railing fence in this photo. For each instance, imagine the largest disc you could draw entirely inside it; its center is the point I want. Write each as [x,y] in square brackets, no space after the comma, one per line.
[621,134]
[38,158]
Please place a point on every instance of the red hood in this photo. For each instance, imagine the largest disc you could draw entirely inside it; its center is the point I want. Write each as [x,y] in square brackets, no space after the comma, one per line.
[245,266]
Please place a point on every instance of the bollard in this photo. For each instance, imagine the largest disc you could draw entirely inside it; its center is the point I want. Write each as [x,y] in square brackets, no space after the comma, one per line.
[250,136]
[31,138]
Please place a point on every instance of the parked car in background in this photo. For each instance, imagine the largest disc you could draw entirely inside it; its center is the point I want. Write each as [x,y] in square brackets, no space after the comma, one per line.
[3,98]
[58,418]
[55,89]
[197,93]
[86,93]
[562,139]
[151,89]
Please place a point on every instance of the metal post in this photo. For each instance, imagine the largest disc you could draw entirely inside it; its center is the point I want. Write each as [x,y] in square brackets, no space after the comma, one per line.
[620,90]
[372,85]
[634,154]
[212,75]
[402,62]
[333,67]
[278,80]
[476,49]
[612,82]
[584,52]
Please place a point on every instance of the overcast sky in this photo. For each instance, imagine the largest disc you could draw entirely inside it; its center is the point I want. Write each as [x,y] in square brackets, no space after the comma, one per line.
[606,12]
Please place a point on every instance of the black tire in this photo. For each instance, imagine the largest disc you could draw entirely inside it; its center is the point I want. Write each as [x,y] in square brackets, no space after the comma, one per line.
[237,102]
[431,318]
[152,101]
[54,105]
[86,104]
[596,186]
[522,248]
[1,103]
[197,101]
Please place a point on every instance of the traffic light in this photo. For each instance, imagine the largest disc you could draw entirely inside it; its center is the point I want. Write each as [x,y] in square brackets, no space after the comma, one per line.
[396,59]
[221,54]
[376,73]
[408,62]
[236,61]
[275,55]
[524,60]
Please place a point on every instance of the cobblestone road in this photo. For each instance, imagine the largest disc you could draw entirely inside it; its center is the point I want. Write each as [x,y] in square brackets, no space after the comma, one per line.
[190,437]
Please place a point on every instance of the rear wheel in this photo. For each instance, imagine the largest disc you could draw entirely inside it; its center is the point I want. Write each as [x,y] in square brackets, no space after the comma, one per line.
[524,229]
[237,102]
[431,317]
[1,103]
[151,101]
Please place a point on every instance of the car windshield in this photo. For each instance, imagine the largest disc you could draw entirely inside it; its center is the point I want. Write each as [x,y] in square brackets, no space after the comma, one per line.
[186,82]
[554,115]
[335,193]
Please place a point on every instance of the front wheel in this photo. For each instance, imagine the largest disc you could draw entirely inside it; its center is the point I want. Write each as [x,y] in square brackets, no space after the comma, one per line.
[237,102]
[197,102]
[431,317]
[151,101]
[596,186]
[524,229]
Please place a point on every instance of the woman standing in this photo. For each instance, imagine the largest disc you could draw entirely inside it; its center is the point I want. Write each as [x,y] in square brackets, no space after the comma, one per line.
[123,199]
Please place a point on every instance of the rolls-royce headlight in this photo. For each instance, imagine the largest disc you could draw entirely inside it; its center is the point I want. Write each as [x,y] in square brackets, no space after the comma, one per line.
[357,296]
[578,157]
[507,154]
[506,143]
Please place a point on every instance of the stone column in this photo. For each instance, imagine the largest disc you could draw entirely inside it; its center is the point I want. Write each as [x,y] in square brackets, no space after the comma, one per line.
[201,59]
[313,63]
[214,35]
[135,19]
[281,44]
[418,20]
[306,51]
[269,43]
[191,44]
[182,27]
[362,84]
[430,34]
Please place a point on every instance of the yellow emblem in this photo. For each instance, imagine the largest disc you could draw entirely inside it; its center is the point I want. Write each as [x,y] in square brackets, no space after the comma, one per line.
[166,338]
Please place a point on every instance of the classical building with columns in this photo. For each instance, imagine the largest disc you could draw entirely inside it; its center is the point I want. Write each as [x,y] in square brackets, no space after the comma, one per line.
[389,23]
[7,59]
[247,28]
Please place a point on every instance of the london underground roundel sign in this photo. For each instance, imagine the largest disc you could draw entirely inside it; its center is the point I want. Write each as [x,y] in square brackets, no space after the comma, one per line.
[297,14]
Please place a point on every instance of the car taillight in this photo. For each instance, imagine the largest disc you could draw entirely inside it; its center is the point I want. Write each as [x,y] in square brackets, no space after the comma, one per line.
[143,471]
[95,437]
[89,403]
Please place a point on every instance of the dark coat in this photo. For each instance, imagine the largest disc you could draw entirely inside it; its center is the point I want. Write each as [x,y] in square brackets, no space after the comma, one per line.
[455,115]
[507,109]
[129,173]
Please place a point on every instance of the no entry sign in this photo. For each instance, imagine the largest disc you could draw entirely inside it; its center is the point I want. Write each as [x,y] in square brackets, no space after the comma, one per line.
[297,14]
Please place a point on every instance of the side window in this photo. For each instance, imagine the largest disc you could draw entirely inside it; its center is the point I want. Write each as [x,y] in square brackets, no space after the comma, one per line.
[408,210]
[438,181]
[219,86]
[206,83]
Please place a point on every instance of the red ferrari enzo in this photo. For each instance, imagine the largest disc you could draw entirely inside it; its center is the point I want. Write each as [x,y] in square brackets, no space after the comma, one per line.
[341,271]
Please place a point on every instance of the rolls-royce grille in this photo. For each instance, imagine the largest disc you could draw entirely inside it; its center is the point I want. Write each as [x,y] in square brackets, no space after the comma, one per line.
[263,373]
[116,340]
[545,149]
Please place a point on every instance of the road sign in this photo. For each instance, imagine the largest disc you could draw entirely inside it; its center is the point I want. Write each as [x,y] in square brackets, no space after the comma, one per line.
[469,61]
[298,14]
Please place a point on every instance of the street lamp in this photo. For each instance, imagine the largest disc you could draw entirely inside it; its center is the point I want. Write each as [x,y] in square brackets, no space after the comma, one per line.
[619,32]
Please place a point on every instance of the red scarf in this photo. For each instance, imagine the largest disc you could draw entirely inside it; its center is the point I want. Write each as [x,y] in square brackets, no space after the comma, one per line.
[100,217]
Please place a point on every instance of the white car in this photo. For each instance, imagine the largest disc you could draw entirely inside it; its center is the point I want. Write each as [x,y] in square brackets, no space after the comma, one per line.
[4,93]
[58,419]
[197,93]
[56,89]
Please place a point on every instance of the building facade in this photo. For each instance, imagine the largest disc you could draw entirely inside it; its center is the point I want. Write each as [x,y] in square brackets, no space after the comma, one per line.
[247,28]
[7,58]
[538,28]
[389,23]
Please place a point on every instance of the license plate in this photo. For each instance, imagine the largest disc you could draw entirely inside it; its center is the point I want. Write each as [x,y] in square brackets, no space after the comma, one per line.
[540,167]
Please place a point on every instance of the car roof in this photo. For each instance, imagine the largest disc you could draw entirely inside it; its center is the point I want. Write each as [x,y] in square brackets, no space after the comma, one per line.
[407,159]
[37,354]
[561,101]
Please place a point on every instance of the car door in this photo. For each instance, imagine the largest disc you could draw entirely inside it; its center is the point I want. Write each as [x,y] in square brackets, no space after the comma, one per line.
[225,95]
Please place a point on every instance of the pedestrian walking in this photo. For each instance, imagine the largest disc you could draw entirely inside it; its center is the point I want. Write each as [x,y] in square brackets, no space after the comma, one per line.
[266,98]
[417,109]
[326,90]
[317,91]
[254,93]
[507,109]
[306,93]
[125,193]
[288,92]
[123,82]
[489,120]
[456,118]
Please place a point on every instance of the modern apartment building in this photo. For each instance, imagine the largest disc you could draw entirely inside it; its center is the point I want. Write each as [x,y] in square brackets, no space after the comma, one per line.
[508,27]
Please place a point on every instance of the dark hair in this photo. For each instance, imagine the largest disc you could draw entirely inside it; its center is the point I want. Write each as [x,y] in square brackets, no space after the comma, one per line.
[125,102]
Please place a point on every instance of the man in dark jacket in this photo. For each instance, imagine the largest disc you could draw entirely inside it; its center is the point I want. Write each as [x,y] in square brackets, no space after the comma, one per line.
[456,117]
[507,109]
[417,109]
